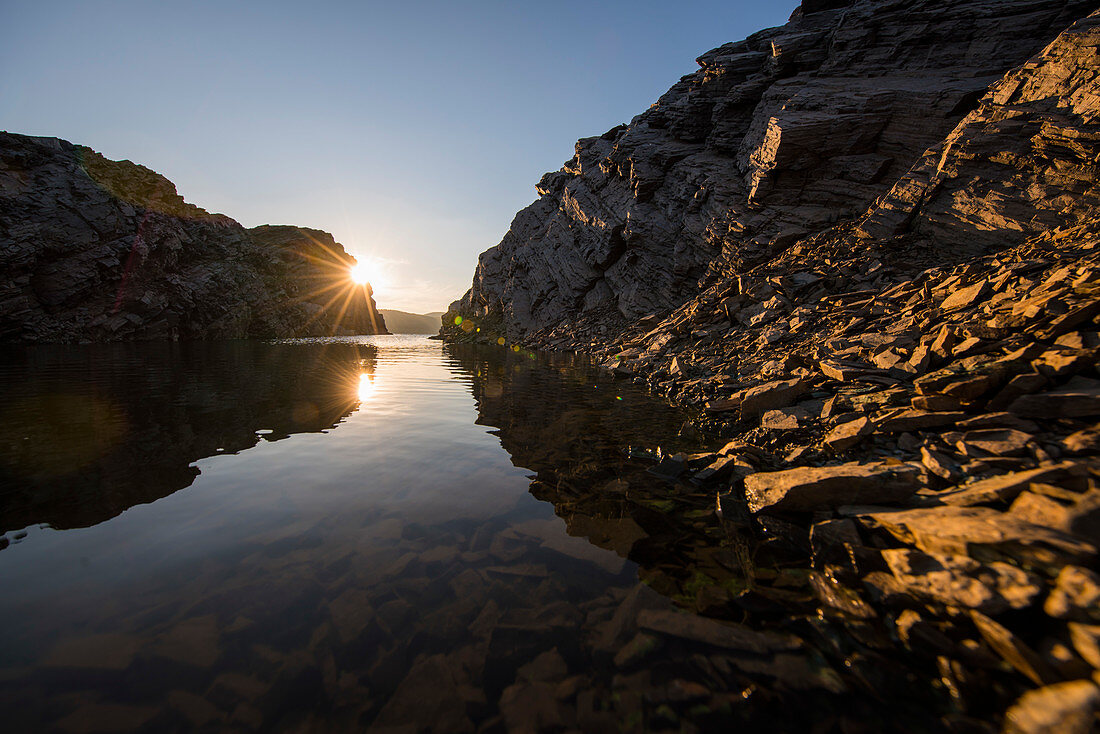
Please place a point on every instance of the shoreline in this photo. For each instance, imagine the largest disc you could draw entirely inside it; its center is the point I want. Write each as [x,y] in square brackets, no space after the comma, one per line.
[929,439]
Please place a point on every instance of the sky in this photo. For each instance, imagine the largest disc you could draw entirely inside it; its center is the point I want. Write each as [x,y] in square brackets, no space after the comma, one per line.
[413,131]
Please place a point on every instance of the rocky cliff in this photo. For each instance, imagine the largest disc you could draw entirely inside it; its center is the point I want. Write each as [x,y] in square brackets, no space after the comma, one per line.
[99,250]
[789,133]
[865,247]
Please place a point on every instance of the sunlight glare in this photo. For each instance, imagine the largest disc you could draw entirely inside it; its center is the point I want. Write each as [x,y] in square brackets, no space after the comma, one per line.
[360,274]
[367,387]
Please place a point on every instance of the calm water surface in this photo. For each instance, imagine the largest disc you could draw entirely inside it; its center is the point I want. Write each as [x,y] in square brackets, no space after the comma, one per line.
[384,532]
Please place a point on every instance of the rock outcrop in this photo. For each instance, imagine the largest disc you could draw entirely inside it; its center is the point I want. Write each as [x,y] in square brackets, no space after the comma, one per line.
[866,250]
[99,250]
[791,132]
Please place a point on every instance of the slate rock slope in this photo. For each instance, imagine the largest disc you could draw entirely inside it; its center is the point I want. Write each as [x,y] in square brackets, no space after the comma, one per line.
[99,250]
[776,138]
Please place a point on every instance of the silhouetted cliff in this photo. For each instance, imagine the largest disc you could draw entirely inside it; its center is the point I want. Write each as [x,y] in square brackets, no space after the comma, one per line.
[100,250]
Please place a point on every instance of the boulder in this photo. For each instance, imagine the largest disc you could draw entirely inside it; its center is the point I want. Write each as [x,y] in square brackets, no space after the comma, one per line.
[1075,596]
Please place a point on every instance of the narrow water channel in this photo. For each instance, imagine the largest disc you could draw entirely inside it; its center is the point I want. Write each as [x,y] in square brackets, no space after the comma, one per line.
[386,532]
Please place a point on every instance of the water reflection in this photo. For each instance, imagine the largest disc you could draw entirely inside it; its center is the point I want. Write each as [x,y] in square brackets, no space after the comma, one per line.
[402,571]
[96,430]
[367,388]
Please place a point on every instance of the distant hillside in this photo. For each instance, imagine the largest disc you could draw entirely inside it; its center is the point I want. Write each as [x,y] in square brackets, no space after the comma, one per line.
[402,322]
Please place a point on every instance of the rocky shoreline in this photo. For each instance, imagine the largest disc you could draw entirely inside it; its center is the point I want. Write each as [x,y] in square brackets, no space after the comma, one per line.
[931,442]
[910,395]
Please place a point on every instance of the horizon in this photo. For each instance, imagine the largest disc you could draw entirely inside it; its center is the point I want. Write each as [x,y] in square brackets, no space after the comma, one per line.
[276,114]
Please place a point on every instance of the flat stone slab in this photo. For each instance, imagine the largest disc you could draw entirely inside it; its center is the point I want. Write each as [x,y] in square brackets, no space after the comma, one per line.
[1079,398]
[911,419]
[956,530]
[771,395]
[102,652]
[822,487]
[1001,488]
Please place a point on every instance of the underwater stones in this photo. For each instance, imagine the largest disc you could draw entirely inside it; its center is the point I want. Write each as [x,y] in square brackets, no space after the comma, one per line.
[100,652]
[533,707]
[193,641]
[107,717]
[808,488]
[709,632]
[433,693]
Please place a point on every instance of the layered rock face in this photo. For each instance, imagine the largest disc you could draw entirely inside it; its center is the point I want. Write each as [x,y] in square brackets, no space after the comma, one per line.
[776,138]
[100,250]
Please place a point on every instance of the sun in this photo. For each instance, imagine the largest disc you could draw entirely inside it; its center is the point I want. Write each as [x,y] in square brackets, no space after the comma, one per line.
[360,273]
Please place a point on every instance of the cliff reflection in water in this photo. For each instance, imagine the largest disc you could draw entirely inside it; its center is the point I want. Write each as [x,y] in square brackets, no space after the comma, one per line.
[574,428]
[96,430]
[400,571]
[593,443]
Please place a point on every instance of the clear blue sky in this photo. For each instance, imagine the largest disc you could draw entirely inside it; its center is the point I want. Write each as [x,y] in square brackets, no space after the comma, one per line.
[413,131]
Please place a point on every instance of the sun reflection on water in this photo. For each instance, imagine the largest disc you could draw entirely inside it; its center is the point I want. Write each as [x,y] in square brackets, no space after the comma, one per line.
[367,387]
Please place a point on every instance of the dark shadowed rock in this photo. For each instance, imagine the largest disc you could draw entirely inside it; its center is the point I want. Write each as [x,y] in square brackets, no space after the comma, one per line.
[1080,397]
[709,632]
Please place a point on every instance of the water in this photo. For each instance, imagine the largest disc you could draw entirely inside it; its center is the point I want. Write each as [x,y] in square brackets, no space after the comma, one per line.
[330,535]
